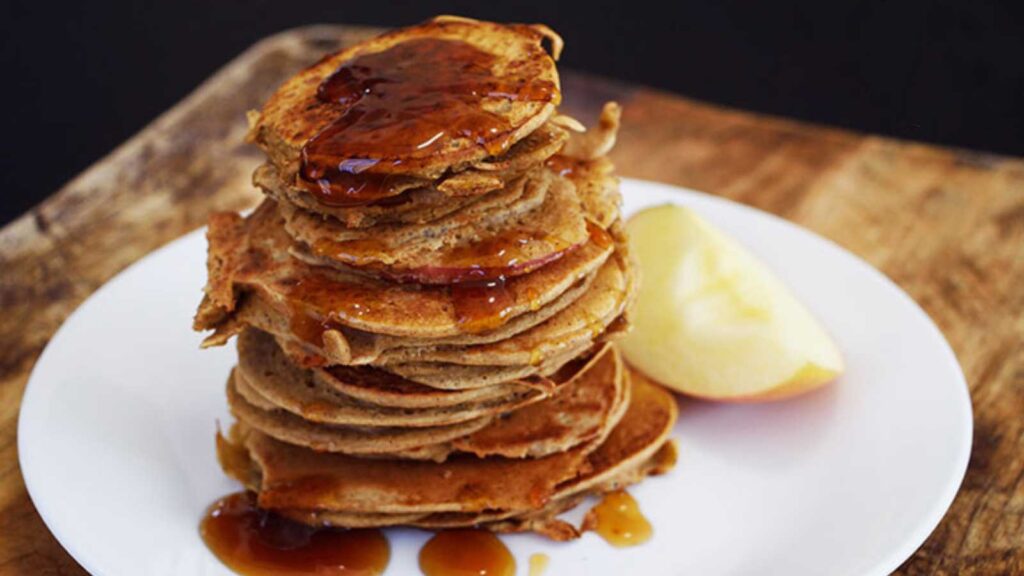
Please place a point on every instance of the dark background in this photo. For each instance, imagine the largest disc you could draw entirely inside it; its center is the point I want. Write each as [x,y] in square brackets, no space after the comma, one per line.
[81,77]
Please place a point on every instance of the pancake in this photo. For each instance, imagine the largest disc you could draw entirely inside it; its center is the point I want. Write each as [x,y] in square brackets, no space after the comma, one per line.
[342,345]
[598,141]
[584,411]
[495,172]
[251,255]
[286,427]
[542,521]
[513,55]
[264,369]
[449,376]
[416,206]
[374,386]
[293,477]
[466,245]
[425,300]
[484,186]
[575,328]
[374,244]
[597,187]
[297,479]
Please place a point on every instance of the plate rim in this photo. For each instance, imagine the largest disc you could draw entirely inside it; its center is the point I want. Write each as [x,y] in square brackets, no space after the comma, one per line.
[672,194]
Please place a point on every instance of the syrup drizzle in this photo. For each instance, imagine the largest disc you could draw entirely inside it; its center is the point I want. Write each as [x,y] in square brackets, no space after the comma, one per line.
[538,564]
[481,306]
[565,166]
[254,542]
[617,519]
[403,105]
[304,326]
[464,553]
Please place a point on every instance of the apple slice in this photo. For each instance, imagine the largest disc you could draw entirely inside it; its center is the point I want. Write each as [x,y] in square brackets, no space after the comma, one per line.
[712,321]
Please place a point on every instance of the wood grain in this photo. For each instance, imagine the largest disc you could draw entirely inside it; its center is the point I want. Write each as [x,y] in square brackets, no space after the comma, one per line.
[946,225]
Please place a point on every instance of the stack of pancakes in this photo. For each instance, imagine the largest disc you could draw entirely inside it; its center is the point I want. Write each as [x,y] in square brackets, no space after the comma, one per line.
[424,302]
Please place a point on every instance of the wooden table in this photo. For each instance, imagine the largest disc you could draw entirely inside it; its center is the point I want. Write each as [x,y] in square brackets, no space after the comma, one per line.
[946,225]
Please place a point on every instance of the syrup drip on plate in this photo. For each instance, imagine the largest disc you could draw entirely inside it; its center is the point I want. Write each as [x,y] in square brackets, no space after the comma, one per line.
[254,542]
[617,519]
[538,564]
[465,553]
[402,105]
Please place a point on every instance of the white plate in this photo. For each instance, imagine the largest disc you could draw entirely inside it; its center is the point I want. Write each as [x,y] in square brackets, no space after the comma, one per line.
[117,424]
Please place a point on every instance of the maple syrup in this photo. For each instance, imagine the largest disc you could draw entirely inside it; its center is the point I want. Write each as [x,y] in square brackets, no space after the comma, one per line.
[317,303]
[254,542]
[304,326]
[565,166]
[481,306]
[599,236]
[403,105]
[617,519]
[353,252]
[464,553]
[538,564]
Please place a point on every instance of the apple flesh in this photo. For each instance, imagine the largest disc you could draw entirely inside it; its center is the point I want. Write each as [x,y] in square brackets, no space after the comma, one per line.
[712,321]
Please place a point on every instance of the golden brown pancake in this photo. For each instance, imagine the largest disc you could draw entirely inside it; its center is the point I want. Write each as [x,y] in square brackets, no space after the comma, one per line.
[585,410]
[514,57]
[375,386]
[543,521]
[343,345]
[575,328]
[265,370]
[450,376]
[582,410]
[598,189]
[486,185]
[466,245]
[302,480]
[598,141]
[413,443]
[251,255]
[299,478]
[416,206]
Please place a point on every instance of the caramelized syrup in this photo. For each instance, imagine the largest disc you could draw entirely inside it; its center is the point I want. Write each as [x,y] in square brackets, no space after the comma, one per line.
[406,103]
[254,542]
[465,553]
[599,236]
[353,252]
[617,519]
[565,166]
[481,306]
[317,303]
[307,328]
[538,564]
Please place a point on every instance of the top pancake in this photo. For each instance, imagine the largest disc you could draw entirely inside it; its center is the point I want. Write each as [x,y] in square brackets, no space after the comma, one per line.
[510,58]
